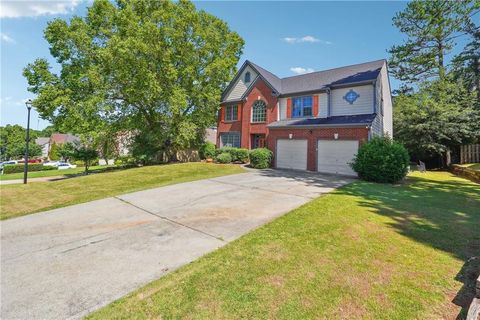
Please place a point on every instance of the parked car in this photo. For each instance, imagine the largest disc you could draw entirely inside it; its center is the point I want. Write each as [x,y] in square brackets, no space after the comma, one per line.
[52,163]
[7,162]
[65,165]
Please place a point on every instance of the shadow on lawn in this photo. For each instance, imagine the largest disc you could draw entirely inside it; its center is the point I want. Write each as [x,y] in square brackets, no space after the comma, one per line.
[442,214]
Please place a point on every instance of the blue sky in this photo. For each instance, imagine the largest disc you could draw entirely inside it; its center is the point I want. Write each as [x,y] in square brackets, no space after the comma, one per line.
[285,38]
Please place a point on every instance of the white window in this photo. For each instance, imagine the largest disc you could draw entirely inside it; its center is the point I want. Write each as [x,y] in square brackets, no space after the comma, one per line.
[302,107]
[259,111]
[230,139]
[231,113]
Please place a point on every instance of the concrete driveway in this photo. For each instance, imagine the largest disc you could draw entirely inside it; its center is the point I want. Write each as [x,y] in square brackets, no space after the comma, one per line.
[67,262]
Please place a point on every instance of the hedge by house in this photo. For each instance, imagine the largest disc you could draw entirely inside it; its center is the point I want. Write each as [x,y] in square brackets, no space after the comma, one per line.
[224,158]
[207,151]
[16,168]
[261,158]
[237,154]
[381,160]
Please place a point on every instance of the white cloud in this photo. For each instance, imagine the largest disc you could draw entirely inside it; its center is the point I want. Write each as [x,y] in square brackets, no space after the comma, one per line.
[310,39]
[300,70]
[3,100]
[17,9]
[6,38]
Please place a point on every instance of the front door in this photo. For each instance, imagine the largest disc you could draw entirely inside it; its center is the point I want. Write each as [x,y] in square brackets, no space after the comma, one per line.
[258,141]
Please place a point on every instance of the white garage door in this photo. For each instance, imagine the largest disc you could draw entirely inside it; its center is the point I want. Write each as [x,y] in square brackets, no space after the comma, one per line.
[333,156]
[292,154]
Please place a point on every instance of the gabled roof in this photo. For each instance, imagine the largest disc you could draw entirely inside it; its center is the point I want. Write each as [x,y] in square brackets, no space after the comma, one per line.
[42,141]
[363,72]
[315,81]
[353,121]
[60,138]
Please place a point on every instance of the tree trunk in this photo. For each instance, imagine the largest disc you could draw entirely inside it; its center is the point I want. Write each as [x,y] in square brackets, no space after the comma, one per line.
[441,67]
[476,64]
[448,158]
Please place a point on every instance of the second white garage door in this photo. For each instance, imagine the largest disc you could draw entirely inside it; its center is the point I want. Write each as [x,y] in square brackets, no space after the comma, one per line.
[335,155]
[292,154]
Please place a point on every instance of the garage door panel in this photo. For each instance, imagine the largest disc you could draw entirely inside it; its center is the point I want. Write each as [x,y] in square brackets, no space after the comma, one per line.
[292,154]
[334,156]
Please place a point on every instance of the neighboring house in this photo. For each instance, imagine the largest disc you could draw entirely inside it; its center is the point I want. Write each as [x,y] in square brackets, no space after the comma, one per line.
[314,121]
[61,138]
[44,143]
[211,135]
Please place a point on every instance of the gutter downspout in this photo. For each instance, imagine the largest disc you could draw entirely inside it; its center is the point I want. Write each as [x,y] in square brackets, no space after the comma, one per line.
[328,101]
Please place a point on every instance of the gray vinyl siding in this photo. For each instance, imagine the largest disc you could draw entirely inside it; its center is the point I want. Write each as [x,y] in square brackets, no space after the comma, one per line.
[283,108]
[387,103]
[239,88]
[323,105]
[378,95]
[377,126]
[363,105]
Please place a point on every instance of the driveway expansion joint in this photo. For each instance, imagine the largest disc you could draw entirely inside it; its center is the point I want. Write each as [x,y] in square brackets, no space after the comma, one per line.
[263,189]
[170,220]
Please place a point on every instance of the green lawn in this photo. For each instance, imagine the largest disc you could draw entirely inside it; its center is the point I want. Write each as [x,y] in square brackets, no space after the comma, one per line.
[366,251]
[19,199]
[52,173]
[473,166]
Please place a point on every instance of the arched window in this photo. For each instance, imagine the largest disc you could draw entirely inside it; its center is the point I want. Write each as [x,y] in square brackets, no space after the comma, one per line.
[259,111]
[247,77]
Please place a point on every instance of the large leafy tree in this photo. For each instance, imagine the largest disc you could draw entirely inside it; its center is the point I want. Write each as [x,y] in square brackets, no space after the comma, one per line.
[436,119]
[12,143]
[431,27]
[154,68]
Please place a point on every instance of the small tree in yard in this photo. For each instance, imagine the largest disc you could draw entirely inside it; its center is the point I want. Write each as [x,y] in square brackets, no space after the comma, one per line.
[86,154]
[65,151]
[381,160]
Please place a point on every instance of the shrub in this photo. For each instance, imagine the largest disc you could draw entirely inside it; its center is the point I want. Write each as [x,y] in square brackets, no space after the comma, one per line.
[207,150]
[48,168]
[241,155]
[223,150]
[261,158]
[79,163]
[125,160]
[224,158]
[16,168]
[237,154]
[381,160]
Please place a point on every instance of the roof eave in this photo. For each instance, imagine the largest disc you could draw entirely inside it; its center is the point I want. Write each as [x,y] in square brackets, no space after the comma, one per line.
[313,126]
[325,88]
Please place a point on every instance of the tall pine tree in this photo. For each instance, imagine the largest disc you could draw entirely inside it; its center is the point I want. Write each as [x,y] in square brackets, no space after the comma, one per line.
[431,28]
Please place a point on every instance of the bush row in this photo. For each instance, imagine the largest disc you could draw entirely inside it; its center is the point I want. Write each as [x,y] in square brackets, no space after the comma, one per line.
[260,158]
[17,168]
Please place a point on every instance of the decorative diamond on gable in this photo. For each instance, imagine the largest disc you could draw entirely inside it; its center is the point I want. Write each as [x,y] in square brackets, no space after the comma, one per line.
[351,96]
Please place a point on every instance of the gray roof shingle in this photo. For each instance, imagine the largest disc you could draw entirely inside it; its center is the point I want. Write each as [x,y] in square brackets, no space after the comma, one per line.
[322,79]
[353,120]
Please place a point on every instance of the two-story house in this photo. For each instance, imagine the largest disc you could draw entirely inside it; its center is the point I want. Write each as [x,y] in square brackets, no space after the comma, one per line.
[314,121]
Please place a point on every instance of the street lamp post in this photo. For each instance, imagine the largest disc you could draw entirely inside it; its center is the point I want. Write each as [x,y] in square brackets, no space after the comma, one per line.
[28,103]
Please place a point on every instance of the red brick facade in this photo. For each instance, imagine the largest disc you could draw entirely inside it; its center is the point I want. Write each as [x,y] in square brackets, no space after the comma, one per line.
[312,135]
[243,125]
[261,91]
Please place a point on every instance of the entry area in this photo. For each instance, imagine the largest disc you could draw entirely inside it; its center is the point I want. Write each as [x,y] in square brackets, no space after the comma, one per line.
[334,156]
[258,141]
[292,154]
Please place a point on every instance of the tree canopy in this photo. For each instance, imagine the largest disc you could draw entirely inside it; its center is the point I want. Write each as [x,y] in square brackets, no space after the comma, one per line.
[431,28]
[155,68]
[12,143]
[442,112]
